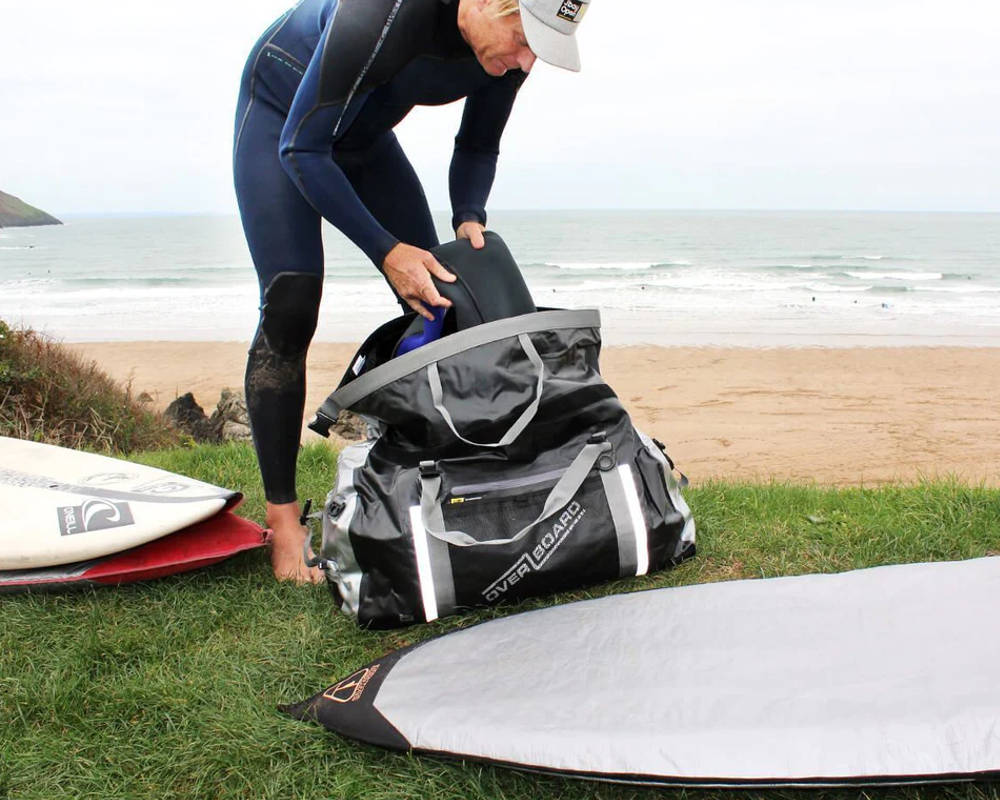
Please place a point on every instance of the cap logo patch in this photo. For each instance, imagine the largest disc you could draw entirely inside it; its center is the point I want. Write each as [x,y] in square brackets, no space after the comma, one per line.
[570,10]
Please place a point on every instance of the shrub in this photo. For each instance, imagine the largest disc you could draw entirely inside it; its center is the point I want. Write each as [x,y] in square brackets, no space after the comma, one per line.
[48,394]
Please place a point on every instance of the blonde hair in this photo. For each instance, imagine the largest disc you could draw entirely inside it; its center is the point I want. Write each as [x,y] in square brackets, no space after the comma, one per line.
[504,8]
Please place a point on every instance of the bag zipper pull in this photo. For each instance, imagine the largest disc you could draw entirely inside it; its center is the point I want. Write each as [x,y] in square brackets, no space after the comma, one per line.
[305,512]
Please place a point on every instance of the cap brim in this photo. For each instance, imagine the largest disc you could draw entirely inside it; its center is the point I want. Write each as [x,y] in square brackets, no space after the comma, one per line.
[549,45]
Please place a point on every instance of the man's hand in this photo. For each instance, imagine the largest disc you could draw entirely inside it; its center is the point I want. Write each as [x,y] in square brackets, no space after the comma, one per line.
[409,270]
[472,231]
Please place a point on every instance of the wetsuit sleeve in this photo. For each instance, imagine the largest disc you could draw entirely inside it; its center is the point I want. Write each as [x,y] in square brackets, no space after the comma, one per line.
[315,119]
[477,145]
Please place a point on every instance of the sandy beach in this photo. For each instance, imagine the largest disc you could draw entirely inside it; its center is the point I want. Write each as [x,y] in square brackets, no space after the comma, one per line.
[844,417]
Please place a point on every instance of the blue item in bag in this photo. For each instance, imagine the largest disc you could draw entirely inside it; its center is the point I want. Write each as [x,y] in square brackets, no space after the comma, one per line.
[488,286]
[432,330]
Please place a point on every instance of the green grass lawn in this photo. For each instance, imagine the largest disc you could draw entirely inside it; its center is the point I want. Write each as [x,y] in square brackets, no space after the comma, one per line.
[169,689]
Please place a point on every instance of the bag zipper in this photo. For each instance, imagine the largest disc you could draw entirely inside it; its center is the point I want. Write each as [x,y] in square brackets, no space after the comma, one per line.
[510,483]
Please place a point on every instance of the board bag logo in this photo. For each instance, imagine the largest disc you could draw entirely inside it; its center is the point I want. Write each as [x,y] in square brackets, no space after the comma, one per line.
[93,515]
[535,559]
[352,687]
[570,10]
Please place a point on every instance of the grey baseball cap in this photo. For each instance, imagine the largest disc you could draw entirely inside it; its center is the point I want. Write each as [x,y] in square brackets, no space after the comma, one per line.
[550,28]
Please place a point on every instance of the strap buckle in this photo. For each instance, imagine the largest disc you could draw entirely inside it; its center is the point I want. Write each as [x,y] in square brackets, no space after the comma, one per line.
[429,469]
[607,460]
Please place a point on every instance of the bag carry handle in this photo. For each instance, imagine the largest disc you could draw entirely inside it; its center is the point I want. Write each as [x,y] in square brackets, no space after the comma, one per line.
[564,491]
[515,430]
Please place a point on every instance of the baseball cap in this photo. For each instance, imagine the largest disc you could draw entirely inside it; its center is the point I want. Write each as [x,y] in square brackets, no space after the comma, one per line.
[550,28]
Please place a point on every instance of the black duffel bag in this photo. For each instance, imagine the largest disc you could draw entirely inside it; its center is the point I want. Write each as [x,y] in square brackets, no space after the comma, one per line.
[499,466]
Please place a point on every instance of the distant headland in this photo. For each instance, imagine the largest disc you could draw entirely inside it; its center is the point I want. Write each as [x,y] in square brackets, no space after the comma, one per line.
[14,212]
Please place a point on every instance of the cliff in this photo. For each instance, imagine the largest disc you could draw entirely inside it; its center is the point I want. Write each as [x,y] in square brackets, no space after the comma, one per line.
[15,212]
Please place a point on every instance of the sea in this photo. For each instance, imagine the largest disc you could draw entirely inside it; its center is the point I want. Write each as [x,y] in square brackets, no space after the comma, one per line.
[695,278]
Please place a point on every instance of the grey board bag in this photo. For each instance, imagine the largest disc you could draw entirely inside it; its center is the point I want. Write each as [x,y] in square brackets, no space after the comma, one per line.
[499,464]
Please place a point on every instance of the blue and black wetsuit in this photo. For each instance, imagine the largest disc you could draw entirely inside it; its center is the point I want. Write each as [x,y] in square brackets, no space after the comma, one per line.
[321,92]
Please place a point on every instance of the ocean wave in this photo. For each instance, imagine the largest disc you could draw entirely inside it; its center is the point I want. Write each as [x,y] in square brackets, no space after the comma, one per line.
[959,276]
[896,276]
[833,288]
[131,281]
[959,289]
[131,296]
[890,289]
[586,266]
[793,268]
[20,284]
[857,257]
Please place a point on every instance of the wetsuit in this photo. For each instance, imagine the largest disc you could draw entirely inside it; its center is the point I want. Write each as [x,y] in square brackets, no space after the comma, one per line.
[321,92]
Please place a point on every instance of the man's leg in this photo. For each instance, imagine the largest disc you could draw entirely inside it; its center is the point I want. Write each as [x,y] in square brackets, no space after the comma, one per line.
[283,232]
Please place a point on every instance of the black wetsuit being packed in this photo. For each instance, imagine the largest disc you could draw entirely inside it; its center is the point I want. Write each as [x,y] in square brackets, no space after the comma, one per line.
[321,92]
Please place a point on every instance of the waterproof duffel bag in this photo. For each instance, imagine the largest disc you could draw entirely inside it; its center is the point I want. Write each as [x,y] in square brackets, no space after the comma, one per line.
[500,465]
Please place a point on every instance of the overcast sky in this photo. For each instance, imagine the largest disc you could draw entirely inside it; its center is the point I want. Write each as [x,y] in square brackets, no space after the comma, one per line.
[860,104]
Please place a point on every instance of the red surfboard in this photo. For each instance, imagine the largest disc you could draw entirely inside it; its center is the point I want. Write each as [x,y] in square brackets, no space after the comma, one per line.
[199,545]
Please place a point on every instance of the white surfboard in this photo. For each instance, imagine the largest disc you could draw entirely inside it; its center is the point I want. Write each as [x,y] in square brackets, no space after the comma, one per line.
[61,505]
[877,676]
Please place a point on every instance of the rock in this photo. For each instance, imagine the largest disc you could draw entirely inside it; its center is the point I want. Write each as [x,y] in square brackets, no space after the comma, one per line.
[235,431]
[350,426]
[233,406]
[184,410]
[187,416]
[231,422]
[230,417]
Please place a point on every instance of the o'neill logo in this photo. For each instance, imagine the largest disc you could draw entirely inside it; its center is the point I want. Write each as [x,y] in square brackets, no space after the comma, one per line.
[93,515]
[351,688]
[534,559]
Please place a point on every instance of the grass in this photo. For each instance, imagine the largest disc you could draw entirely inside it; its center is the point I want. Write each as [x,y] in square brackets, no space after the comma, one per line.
[48,394]
[169,689]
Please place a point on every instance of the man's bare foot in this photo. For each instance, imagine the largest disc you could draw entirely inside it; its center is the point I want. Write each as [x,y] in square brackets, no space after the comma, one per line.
[286,546]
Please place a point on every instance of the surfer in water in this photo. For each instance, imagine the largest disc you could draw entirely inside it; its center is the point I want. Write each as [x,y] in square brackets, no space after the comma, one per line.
[322,90]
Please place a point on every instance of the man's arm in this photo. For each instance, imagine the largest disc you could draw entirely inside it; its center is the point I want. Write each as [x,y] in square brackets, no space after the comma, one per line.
[477,145]
[326,102]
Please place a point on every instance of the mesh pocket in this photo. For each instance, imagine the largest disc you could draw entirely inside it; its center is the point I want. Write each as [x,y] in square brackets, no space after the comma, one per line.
[496,515]
[573,547]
